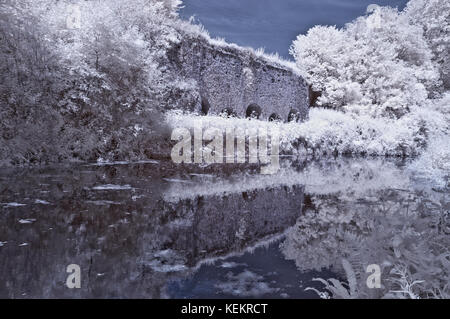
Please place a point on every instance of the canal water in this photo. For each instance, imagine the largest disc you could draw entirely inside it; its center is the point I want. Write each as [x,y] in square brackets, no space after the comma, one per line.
[147,230]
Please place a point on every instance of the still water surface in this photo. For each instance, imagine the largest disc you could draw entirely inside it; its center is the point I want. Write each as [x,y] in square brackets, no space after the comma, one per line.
[140,230]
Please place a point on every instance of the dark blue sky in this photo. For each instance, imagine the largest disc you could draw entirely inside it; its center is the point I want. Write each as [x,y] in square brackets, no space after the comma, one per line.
[274,24]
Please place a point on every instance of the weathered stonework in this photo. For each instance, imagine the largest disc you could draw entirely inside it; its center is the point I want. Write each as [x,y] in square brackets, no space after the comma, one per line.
[445,73]
[233,77]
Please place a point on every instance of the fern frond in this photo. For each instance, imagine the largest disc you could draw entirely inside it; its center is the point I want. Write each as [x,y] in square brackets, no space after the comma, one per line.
[351,277]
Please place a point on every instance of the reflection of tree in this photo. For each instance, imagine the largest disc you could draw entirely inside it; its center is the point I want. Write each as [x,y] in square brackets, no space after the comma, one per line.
[405,232]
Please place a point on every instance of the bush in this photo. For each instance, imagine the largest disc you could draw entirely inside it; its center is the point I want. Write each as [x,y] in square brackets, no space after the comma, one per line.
[85,91]
[379,65]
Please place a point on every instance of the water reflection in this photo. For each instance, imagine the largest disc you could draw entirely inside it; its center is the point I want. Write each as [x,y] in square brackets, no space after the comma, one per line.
[114,222]
[376,214]
[145,230]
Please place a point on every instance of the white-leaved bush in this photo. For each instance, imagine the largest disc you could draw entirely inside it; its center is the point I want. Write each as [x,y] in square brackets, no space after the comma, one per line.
[83,80]
[434,18]
[379,65]
[380,80]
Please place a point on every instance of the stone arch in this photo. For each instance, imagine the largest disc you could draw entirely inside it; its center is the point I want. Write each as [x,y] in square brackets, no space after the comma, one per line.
[253,111]
[274,117]
[294,115]
[205,106]
[313,96]
[228,112]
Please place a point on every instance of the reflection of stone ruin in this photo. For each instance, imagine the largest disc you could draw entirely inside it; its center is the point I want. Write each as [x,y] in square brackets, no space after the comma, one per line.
[128,242]
[216,226]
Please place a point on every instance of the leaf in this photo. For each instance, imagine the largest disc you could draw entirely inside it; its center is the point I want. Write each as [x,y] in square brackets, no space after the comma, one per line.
[351,277]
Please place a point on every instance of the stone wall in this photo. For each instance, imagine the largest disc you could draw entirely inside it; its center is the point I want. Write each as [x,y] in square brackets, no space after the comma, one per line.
[445,73]
[231,77]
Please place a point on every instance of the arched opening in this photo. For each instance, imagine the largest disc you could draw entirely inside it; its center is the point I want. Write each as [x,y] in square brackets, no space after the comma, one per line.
[253,111]
[228,112]
[313,96]
[274,117]
[205,106]
[294,116]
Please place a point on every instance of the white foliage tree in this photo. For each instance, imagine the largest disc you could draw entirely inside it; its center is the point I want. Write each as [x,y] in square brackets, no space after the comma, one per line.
[434,18]
[379,65]
[90,74]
